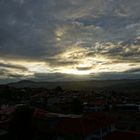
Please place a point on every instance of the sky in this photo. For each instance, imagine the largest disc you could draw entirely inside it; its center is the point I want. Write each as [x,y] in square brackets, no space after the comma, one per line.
[58,40]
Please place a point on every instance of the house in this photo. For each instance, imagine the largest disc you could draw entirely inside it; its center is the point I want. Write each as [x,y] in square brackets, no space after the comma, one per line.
[88,127]
[95,106]
[39,100]
[128,107]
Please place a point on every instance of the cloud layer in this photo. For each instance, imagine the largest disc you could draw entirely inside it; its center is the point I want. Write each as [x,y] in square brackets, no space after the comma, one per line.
[65,37]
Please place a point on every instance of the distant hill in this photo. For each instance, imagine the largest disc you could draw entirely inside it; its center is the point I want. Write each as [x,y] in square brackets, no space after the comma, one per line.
[81,85]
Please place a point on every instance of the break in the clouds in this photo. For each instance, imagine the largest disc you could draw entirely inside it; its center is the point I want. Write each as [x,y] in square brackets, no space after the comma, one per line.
[56,39]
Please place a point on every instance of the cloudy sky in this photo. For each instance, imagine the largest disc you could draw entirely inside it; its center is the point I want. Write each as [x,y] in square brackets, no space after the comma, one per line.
[56,40]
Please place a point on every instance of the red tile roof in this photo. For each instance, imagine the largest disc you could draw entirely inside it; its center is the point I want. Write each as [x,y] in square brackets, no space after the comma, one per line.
[42,94]
[40,113]
[101,118]
[100,102]
[77,126]
[84,125]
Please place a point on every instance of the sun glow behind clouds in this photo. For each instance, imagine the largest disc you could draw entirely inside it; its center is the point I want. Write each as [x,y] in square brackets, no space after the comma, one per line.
[75,72]
[78,60]
[69,37]
[86,66]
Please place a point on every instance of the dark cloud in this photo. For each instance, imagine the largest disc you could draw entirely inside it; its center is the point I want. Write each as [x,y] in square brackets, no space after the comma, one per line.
[5,74]
[117,75]
[11,66]
[133,70]
[84,68]
[60,63]
[28,26]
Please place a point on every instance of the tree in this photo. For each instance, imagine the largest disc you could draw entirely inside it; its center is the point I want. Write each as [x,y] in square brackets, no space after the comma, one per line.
[58,89]
[76,106]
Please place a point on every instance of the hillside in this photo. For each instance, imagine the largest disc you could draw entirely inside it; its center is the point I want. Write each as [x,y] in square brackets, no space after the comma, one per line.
[81,85]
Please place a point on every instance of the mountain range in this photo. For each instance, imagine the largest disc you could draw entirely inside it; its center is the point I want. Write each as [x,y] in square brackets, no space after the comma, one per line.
[80,85]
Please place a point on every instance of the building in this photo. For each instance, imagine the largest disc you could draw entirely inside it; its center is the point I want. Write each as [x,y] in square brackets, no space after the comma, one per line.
[91,126]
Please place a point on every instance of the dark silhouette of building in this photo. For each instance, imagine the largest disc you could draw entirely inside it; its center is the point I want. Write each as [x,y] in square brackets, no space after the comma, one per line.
[21,124]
